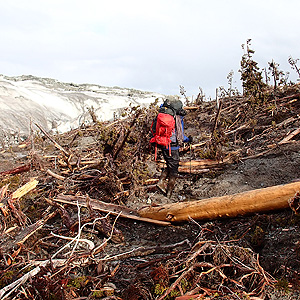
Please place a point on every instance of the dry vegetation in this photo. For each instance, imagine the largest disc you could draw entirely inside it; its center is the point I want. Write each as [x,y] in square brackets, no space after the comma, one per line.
[69,212]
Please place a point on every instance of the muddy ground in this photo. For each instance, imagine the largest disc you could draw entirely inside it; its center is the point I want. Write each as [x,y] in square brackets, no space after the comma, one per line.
[274,236]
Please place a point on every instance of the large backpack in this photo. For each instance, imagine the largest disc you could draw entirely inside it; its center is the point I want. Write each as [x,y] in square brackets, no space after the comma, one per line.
[171,107]
[162,131]
[164,124]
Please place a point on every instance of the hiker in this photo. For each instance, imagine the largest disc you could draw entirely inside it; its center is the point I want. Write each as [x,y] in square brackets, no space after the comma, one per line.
[167,130]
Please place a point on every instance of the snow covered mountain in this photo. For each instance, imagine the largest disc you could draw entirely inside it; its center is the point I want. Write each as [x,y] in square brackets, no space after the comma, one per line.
[60,106]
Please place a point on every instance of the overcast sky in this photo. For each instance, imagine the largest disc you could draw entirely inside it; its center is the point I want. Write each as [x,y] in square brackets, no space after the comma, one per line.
[154,45]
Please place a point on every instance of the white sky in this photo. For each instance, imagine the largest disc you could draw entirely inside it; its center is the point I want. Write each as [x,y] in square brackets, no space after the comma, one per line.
[154,45]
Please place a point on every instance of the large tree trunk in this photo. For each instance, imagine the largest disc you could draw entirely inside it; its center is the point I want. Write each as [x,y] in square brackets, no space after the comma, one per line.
[261,200]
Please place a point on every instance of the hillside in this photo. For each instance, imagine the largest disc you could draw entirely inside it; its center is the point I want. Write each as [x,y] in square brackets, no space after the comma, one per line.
[60,106]
[75,232]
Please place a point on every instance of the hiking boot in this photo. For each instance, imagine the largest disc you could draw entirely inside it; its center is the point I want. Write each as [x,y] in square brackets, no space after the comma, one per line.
[171,184]
[161,182]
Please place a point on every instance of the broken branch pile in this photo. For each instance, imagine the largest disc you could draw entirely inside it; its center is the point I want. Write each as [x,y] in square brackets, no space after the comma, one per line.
[245,129]
[212,268]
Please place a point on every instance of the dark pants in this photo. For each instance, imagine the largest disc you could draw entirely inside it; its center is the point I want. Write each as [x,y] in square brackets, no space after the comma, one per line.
[172,161]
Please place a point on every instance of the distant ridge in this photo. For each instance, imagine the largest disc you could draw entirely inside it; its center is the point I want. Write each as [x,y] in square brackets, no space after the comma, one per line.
[59,105]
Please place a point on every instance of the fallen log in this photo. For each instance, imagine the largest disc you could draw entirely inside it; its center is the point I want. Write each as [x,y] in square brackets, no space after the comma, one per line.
[191,107]
[192,170]
[7,201]
[16,170]
[8,243]
[114,209]
[204,163]
[290,136]
[199,164]
[260,200]
[52,140]
[26,188]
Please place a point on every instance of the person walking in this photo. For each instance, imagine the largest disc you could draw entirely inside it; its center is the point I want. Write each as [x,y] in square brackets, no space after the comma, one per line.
[168,135]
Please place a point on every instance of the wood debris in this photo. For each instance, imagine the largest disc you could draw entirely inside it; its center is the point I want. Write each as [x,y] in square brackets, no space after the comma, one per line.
[66,225]
[259,200]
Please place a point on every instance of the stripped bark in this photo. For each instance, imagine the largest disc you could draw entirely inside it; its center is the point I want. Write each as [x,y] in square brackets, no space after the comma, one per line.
[260,200]
[26,188]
